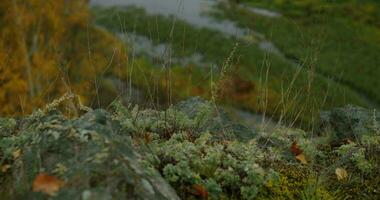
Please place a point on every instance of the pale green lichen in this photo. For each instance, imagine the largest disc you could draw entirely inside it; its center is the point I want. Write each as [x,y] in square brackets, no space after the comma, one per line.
[134,152]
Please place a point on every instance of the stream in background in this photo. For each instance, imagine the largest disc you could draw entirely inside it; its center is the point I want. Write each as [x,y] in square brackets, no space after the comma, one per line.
[197,13]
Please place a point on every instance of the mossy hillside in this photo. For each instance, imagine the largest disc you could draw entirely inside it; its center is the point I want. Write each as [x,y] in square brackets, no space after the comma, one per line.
[339,39]
[284,90]
[124,153]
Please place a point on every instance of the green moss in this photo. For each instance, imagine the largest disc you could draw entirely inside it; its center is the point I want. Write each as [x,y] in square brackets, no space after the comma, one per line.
[7,126]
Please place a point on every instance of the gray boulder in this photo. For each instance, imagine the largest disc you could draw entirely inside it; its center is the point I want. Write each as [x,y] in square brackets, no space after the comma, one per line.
[211,118]
[91,154]
[351,122]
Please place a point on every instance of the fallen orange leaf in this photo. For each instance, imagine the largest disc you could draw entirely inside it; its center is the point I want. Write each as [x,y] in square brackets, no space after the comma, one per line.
[47,184]
[301,158]
[200,191]
[295,149]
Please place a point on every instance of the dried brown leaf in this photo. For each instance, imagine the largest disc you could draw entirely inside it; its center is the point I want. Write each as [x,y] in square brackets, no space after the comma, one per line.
[16,154]
[295,149]
[47,184]
[200,191]
[341,173]
[5,168]
[301,158]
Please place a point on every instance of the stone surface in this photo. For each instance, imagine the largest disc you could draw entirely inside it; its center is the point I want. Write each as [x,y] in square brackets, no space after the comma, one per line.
[214,119]
[351,122]
[90,154]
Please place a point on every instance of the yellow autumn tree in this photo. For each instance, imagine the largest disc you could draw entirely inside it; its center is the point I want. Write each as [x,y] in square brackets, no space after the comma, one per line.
[48,48]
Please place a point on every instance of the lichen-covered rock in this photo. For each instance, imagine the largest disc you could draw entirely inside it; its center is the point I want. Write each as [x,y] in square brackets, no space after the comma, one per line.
[90,154]
[189,151]
[351,122]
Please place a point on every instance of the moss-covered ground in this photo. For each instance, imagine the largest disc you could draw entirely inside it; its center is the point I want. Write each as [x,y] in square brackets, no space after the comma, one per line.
[189,151]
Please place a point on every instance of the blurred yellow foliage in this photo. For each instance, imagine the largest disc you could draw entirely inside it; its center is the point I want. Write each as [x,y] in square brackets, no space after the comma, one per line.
[48,48]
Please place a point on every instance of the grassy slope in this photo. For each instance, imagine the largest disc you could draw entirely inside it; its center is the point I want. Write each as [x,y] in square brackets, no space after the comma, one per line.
[305,98]
[340,39]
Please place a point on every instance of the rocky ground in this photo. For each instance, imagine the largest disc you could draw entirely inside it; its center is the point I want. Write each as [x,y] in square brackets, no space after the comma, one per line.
[189,151]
